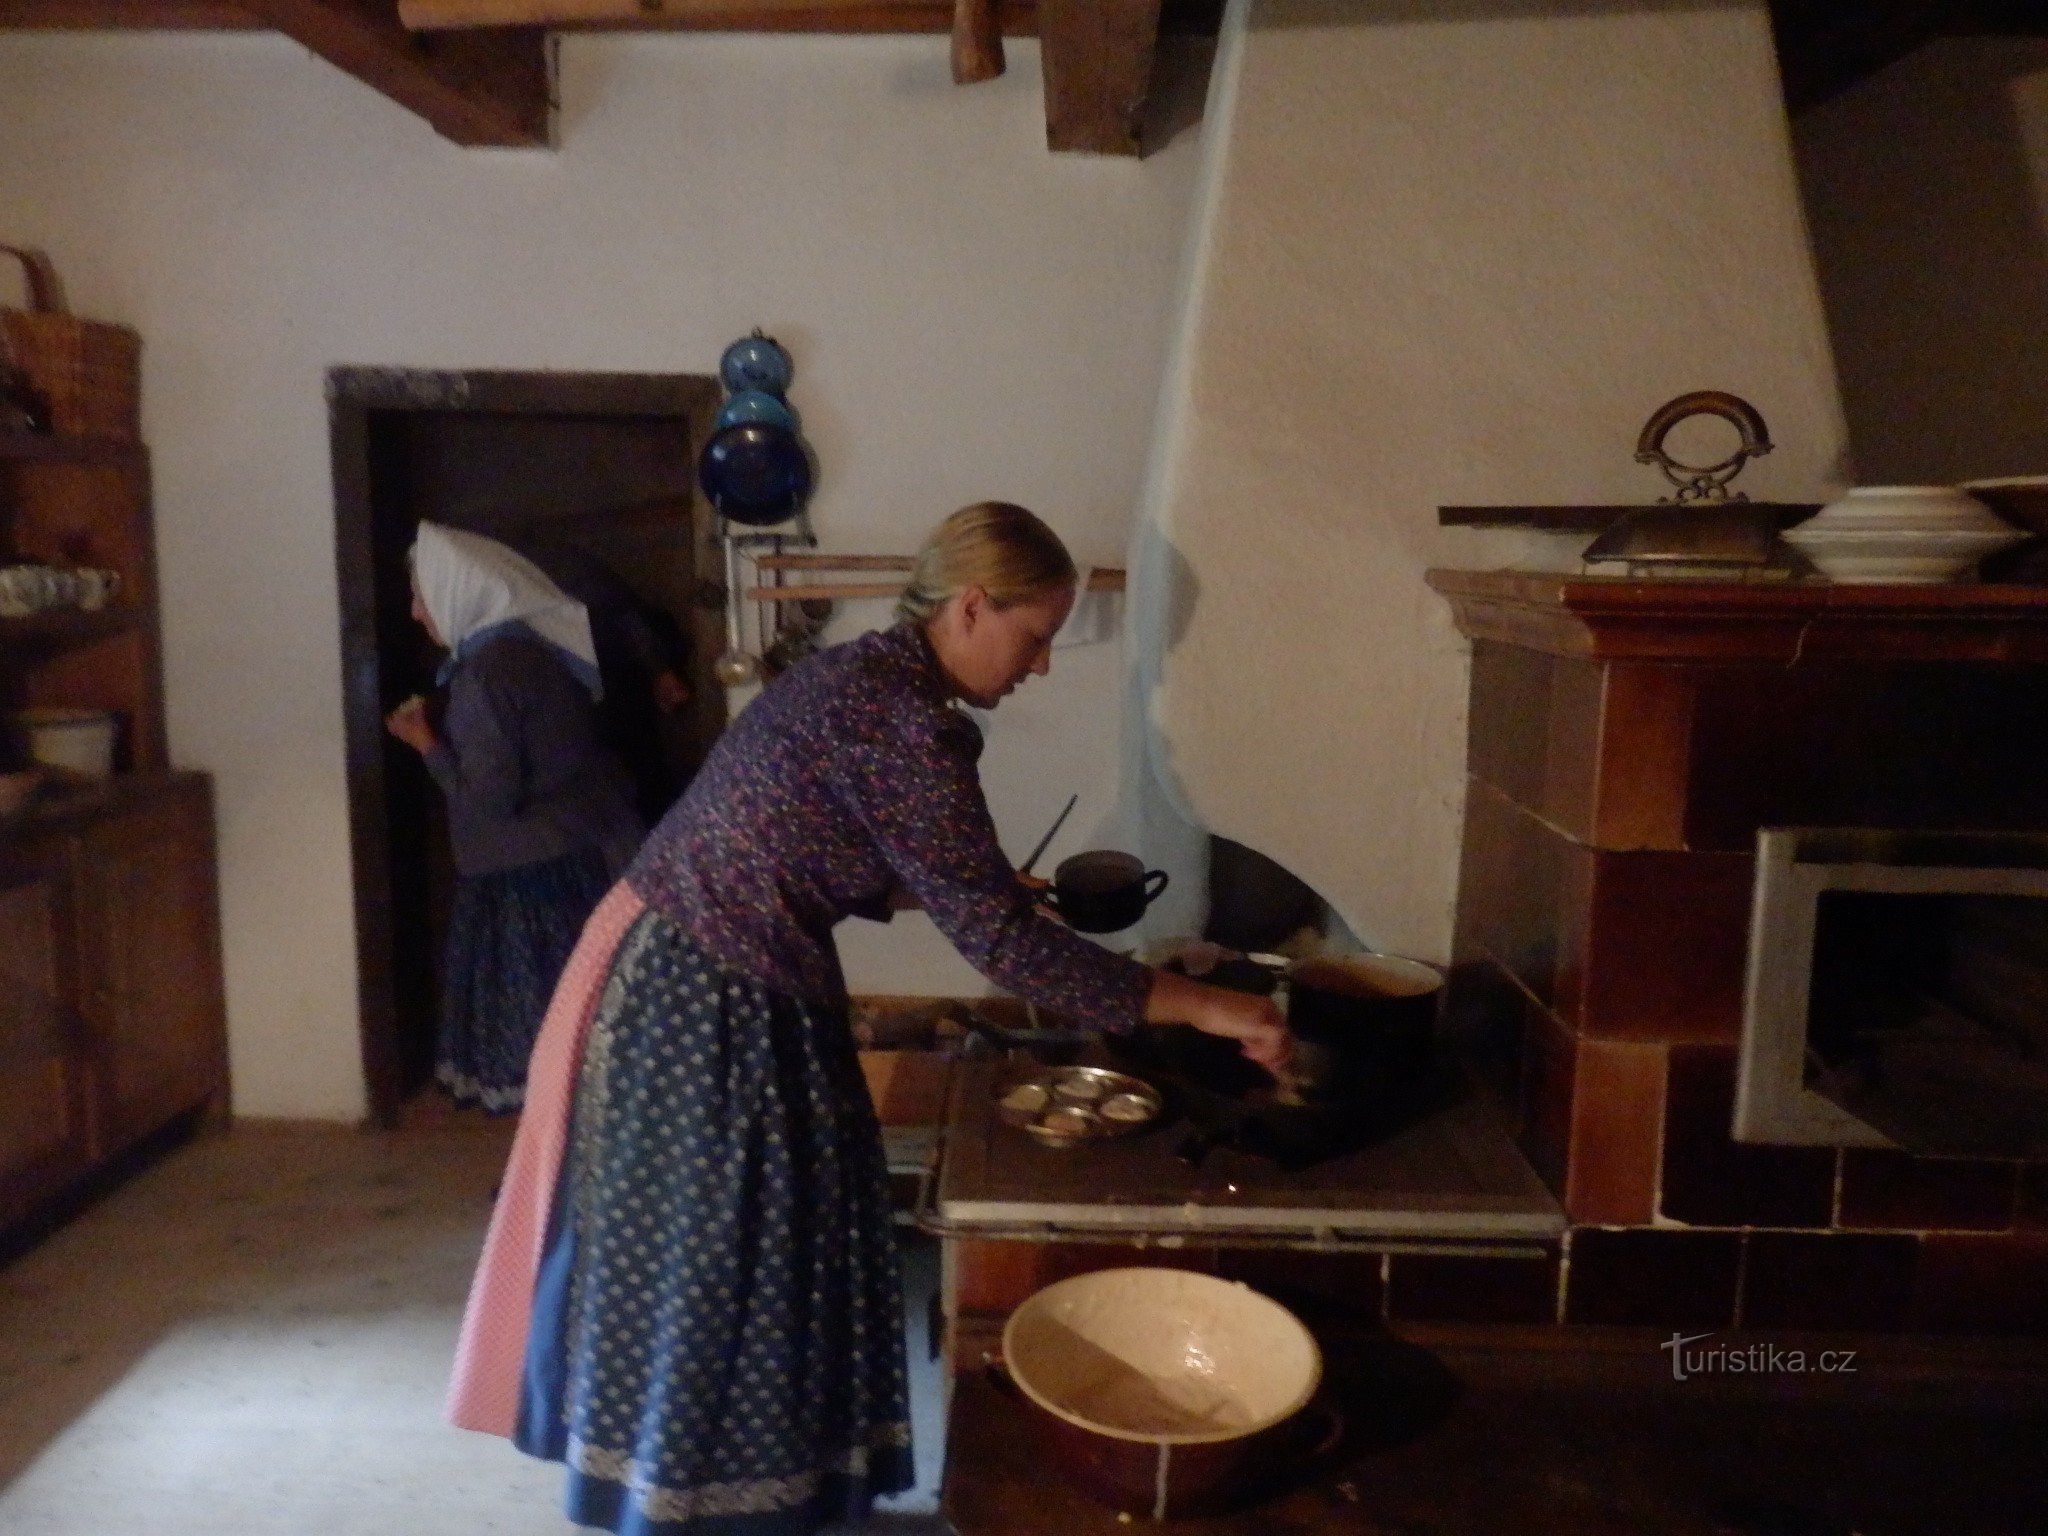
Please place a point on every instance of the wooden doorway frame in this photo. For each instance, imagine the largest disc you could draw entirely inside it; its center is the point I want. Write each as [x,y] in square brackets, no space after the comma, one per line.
[354,396]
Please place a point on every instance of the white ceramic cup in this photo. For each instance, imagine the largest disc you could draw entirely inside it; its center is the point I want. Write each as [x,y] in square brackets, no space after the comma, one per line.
[96,587]
[24,589]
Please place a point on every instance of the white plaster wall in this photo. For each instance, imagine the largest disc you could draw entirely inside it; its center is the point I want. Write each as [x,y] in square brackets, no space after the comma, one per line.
[1927,186]
[1450,254]
[970,315]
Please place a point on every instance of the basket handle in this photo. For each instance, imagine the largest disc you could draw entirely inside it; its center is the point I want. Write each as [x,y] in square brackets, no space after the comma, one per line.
[45,293]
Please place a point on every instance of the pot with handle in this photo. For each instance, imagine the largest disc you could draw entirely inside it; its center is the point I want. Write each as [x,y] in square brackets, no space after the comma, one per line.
[1364,1061]
[1102,891]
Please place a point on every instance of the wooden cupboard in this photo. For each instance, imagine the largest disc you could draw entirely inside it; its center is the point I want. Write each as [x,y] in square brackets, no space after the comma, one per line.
[111,1011]
[112,1024]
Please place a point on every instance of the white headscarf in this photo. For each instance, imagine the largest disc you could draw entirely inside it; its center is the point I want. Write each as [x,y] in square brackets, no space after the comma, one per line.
[472,585]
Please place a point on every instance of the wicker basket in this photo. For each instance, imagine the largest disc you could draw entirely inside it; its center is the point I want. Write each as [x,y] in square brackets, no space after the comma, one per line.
[88,371]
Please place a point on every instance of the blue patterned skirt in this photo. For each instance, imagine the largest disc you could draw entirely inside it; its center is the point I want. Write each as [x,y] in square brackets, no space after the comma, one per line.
[509,935]
[716,1343]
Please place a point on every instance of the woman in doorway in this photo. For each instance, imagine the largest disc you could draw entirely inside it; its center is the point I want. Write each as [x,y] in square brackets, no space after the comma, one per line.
[540,816]
[689,1293]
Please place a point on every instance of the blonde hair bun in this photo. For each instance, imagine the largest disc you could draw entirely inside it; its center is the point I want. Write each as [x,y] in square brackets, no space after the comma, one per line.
[998,546]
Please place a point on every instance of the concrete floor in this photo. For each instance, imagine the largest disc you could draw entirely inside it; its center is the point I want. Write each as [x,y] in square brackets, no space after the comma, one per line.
[252,1338]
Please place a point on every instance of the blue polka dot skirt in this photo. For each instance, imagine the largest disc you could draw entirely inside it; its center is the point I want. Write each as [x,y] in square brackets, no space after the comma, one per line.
[716,1344]
[509,935]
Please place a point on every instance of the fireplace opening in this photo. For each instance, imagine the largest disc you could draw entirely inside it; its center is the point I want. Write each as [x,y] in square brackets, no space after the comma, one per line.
[1898,993]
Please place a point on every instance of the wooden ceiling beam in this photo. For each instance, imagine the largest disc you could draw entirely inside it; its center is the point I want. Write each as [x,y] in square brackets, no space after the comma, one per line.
[977,42]
[476,88]
[124,15]
[1014,18]
[695,15]
[1098,68]
[1824,47]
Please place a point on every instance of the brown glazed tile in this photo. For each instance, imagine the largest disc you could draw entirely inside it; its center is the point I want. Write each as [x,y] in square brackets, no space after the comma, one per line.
[1509,731]
[1549,1067]
[1649,1278]
[1865,744]
[1572,750]
[994,1275]
[1448,1289]
[1851,1281]
[1617,1133]
[1482,1020]
[1644,775]
[1316,1285]
[1982,1285]
[1896,1189]
[1666,943]
[1711,1180]
[1511,898]
[1063,1261]
[1486,872]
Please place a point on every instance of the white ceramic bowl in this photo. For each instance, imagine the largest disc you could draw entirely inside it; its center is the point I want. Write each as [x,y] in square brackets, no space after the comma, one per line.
[1164,1391]
[81,740]
[1908,534]
[1161,1355]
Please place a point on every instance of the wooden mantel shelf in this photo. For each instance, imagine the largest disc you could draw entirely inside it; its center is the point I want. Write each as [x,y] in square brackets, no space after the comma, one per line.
[1618,618]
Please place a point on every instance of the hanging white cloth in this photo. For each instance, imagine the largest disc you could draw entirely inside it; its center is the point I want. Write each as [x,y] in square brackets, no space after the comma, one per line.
[473,586]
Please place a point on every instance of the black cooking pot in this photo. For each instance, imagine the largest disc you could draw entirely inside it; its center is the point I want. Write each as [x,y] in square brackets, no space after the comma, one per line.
[1364,1027]
[1103,891]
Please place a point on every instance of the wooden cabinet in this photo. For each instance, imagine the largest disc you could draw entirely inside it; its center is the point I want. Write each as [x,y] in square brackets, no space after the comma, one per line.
[112,1021]
[111,1017]
[72,502]
[148,947]
[44,1136]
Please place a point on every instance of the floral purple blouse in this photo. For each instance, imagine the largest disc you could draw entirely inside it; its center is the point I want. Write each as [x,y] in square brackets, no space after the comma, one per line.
[850,774]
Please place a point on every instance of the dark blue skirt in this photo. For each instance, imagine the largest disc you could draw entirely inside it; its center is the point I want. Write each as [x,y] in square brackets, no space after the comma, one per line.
[716,1345]
[509,935]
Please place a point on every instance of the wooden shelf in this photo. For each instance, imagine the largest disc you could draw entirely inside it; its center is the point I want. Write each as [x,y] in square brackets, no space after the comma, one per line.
[57,448]
[1625,618]
[70,626]
[1102,579]
[1591,519]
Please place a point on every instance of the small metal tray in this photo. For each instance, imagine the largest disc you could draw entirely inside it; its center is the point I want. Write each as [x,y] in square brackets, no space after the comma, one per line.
[1065,1106]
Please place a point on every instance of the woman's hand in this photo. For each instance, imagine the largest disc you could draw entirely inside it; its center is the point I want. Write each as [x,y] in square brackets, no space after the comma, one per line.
[408,723]
[1255,1023]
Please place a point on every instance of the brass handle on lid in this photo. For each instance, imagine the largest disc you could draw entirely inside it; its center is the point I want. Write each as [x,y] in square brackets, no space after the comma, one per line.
[1704,482]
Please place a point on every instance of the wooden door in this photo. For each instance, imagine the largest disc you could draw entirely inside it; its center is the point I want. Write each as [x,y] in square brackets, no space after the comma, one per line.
[600,466]
[43,1125]
[149,966]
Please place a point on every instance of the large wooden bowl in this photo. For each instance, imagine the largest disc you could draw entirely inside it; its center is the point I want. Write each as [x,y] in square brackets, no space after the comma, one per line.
[1161,1391]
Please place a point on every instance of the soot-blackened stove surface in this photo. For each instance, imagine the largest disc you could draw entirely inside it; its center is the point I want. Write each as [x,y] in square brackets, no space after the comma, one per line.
[1453,1175]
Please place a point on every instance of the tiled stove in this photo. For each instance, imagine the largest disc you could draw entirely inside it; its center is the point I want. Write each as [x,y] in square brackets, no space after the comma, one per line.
[1628,741]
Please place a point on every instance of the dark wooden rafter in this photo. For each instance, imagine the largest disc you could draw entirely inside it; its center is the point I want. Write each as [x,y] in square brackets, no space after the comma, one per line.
[1824,46]
[1097,57]
[977,41]
[124,15]
[477,88]
[480,79]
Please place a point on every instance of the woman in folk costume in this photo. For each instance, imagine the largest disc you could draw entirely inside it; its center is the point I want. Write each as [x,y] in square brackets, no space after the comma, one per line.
[689,1293]
[540,815]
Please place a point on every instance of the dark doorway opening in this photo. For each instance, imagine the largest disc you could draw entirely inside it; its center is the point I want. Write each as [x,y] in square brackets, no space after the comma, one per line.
[589,472]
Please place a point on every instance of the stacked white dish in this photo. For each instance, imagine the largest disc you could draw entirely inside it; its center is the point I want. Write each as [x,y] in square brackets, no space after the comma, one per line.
[78,740]
[1901,533]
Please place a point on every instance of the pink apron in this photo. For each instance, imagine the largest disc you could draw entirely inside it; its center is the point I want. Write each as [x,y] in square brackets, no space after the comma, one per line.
[490,1358]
